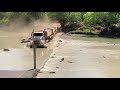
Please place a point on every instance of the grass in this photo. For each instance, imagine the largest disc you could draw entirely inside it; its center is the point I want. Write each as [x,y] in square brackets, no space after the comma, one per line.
[84,31]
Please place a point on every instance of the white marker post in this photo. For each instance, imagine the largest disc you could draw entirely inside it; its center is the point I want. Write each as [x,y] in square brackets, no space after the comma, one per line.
[34,51]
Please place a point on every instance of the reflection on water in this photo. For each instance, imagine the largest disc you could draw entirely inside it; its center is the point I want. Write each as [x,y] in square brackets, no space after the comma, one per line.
[93,38]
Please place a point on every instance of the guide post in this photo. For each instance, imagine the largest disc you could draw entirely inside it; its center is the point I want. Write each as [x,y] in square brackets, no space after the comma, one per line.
[34,51]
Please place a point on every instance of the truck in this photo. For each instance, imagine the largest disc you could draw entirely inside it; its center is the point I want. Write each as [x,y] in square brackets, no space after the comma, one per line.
[39,38]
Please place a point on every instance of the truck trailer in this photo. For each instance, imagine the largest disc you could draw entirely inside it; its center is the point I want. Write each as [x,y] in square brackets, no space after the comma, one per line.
[39,38]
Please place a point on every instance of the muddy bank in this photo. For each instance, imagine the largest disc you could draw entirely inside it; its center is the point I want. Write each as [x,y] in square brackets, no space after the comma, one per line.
[82,59]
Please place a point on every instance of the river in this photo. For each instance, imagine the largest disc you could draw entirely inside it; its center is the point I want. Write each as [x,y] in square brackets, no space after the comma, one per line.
[19,57]
[84,57]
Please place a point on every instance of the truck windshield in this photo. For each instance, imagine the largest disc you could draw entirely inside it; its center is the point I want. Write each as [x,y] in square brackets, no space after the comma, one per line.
[38,34]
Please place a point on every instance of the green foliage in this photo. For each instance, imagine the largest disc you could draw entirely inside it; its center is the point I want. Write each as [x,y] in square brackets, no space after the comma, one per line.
[101,18]
[75,22]
[7,17]
[65,17]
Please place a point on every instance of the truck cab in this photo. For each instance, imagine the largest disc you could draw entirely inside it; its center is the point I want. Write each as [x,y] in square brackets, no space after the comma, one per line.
[38,38]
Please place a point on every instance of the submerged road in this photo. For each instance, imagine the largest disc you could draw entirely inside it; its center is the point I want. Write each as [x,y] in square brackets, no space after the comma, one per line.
[71,58]
[76,58]
[19,58]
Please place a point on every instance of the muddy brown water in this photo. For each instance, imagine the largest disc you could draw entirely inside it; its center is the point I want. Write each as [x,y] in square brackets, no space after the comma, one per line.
[19,57]
[103,53]
[92,38]
[107,43]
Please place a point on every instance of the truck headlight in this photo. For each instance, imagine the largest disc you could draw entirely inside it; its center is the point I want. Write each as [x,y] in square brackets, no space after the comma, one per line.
[31,41]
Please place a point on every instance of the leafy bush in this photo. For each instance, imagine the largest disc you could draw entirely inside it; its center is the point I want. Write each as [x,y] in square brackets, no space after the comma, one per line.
[100,18]
[65,17]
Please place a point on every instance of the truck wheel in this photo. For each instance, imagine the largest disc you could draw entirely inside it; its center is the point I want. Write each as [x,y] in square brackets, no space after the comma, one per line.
[30,46]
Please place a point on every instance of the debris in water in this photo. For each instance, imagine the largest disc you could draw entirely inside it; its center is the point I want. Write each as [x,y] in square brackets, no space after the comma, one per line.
[57,67]
[70,62]
[104,57]
[51,72]
[60,40]
[62,60]
[6,49]
[52,56]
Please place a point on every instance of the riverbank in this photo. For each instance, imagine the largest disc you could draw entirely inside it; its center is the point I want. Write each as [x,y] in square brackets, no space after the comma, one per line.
[82,59]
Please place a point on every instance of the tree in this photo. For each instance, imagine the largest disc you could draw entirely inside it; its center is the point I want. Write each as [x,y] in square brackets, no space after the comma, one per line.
[65,17]
[82,16]
[7,17]
[101,18]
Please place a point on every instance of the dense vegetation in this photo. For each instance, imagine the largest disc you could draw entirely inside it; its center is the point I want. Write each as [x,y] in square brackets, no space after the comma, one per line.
[101,23]
[7,17]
